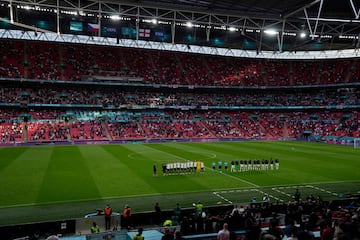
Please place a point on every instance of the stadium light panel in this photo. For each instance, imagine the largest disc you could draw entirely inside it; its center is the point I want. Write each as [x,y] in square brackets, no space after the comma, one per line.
[303,35]
[232,29]
[115,17]
[271,32]
[189,24]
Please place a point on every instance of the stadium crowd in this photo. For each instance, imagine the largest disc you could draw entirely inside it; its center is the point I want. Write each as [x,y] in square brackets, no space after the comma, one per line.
[116,97]
[181,114]
[45,125]
[71,62]
[303,218]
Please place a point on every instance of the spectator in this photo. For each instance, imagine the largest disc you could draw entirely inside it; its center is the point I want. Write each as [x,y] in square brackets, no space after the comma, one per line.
[224,233]
[95,228]
[107,214]
[157,214]
[139,235]
[126,216]
[167,235]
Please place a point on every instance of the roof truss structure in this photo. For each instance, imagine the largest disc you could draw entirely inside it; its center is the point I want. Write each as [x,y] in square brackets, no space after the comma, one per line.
[308,17]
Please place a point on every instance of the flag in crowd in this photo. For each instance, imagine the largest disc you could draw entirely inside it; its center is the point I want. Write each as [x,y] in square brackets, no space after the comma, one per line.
[144,32]
[93,27]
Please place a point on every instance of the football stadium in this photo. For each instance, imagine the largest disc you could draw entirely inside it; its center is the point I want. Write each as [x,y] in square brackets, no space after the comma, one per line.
[179,119]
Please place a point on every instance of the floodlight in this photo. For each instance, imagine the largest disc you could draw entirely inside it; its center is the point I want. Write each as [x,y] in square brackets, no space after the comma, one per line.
[189,24]
[115,17]
[271,32]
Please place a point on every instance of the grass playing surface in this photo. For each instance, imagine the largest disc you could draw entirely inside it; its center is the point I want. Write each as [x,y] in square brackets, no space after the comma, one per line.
[43,183]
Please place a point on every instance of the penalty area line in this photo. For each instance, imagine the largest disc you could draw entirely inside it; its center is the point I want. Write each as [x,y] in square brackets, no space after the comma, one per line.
[240,179]
[323,190]
[222,197]
[271,196]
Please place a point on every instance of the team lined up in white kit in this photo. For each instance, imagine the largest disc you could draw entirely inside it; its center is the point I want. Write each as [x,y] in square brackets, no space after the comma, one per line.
[183,167]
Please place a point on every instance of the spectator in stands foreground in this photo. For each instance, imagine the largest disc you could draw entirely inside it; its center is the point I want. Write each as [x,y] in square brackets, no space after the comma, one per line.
[224,233]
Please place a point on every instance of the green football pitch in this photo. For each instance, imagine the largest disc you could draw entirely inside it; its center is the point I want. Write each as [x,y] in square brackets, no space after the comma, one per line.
[43,183]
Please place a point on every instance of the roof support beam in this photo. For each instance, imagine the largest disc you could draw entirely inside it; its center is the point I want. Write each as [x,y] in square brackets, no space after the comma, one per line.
[11,12]
[280,36]
[57,17]
[357,14]
[318,16]
[99,20]
[308,23]
[358,42]
[173,29]
[261,36]
[210,20]
[313,31]
[301,9]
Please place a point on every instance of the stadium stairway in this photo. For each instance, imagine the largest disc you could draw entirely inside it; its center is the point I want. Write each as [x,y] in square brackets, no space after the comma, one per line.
[25,132]
[108,135]
[286,131]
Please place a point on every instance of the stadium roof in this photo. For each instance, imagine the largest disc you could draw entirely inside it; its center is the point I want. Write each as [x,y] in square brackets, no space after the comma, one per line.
[296,25]
[258,8]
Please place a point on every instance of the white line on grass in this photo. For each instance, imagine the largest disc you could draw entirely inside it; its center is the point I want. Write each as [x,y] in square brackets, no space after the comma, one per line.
[244,190]
[222,197]
[323,190]
[316,183]
[279,189]
[100,199]
[209,155]
[282,192]
[239,179]
[349,181]
[271,196]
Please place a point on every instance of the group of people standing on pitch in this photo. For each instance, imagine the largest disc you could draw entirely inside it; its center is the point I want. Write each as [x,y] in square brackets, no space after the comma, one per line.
[246,165]
[174,168]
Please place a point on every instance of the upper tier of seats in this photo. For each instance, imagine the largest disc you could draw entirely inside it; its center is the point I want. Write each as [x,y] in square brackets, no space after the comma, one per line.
[71,62]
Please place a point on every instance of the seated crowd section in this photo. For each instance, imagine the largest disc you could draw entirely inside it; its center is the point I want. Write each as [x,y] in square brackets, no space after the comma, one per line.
[69,125]
[71,62]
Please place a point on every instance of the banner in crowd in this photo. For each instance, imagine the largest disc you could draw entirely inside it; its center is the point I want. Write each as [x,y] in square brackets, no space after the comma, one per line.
[159,34]
[129,32]
[108,31]
[76,26]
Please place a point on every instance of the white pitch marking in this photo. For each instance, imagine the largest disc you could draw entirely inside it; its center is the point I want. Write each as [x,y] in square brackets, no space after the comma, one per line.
[222,197]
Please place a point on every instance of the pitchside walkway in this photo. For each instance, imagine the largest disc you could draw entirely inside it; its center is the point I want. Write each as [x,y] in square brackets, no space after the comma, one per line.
[148,235]
[155,235]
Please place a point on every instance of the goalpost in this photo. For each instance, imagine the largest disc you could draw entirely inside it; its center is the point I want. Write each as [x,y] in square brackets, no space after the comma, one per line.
[356,142]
